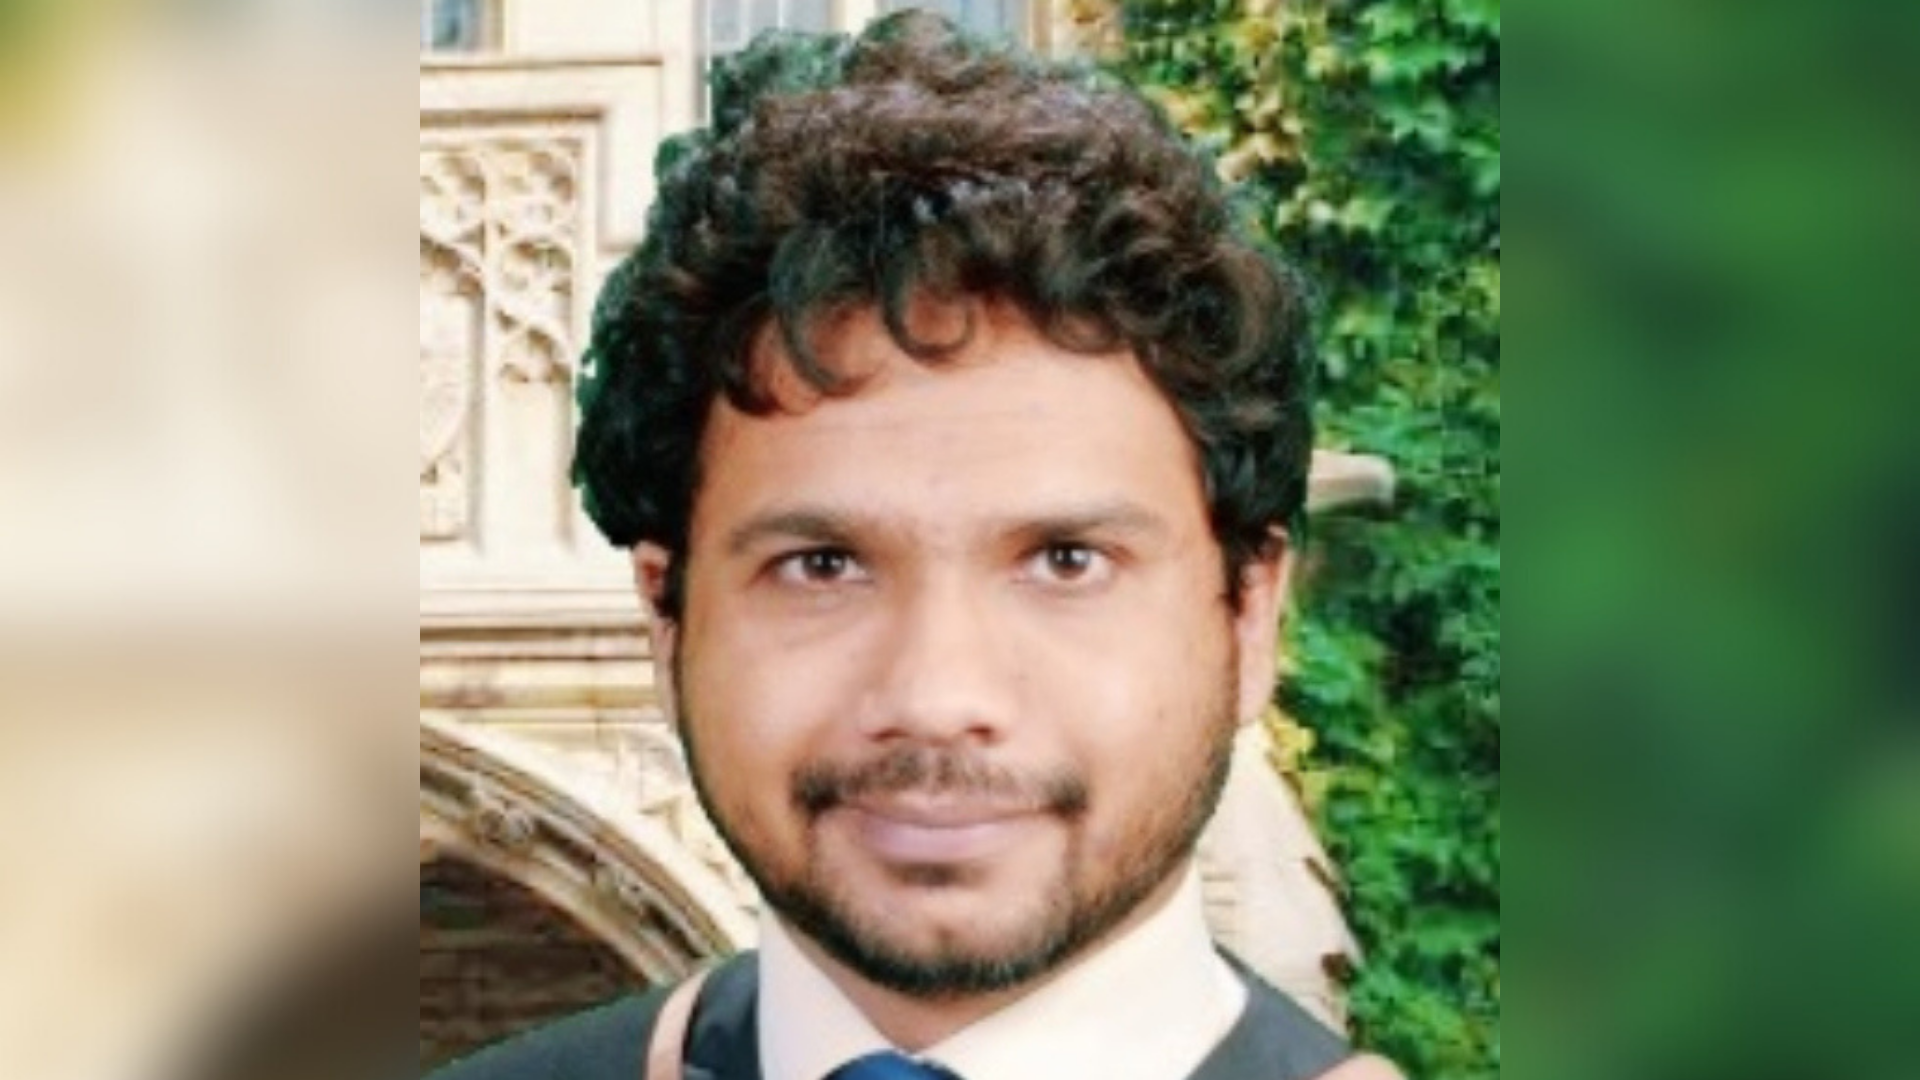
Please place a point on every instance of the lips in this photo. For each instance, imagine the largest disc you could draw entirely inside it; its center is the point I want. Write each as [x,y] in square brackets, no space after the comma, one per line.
[929,832]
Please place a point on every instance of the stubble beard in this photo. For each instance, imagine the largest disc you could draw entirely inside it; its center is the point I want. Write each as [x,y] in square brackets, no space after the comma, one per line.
[1081,906]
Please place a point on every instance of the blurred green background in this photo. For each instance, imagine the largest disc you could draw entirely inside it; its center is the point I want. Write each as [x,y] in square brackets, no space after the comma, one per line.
[1717,795]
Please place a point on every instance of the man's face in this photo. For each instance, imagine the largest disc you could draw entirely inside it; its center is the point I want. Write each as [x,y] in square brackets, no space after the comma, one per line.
[956,671]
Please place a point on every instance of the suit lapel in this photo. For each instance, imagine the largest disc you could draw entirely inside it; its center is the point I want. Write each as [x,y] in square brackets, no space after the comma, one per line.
[1274,1039]
[724,1043]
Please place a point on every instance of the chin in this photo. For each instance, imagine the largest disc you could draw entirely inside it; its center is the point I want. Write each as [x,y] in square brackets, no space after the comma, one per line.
[938,954]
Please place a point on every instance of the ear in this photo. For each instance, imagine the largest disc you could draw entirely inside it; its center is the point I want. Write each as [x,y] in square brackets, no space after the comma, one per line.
[1256,627]
[650,565]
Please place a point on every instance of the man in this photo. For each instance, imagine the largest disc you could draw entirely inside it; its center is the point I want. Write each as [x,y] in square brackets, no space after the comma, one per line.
[957,435]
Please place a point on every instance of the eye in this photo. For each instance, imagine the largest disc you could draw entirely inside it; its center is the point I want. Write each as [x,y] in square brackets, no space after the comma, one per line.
[1069,563]
[818,566]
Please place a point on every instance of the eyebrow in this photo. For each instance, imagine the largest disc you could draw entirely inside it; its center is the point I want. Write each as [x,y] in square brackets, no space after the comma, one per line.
[820,525]
[839,526]
[1118,517]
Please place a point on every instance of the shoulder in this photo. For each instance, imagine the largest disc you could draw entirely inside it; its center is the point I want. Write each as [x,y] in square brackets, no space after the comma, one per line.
[1365,1067]
[610,1042]
[1276,1036]
[607,1041]
[1276,1030]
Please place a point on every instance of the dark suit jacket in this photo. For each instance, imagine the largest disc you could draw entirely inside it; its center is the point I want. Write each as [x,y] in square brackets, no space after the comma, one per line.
[1274,1039]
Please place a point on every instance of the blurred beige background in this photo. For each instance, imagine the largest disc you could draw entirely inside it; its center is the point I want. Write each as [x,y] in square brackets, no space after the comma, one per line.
[203,607]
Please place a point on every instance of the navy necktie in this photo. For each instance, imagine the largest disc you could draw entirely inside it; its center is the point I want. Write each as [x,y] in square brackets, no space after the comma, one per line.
[888,1065]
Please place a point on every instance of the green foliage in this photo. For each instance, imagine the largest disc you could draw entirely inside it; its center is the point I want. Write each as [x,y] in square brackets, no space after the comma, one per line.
[1368,134]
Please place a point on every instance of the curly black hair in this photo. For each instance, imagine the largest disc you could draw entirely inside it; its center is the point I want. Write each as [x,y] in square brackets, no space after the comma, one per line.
[917,162]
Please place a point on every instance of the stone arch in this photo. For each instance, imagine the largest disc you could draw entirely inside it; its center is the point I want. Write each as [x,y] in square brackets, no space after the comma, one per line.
[496,960]
[653,894]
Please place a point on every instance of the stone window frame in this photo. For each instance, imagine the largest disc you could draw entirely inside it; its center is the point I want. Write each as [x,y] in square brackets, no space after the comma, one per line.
[484,32]
[1027,21]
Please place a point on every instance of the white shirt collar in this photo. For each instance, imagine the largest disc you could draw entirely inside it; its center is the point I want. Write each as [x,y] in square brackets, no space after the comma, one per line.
[1161,984]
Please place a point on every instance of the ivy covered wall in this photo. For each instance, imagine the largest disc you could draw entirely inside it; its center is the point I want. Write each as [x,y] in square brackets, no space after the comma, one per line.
[1367,134]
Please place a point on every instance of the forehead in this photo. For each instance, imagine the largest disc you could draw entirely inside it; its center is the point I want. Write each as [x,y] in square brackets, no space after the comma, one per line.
[1010,425]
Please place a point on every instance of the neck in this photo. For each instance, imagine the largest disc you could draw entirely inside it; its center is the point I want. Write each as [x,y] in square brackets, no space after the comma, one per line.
[914,1023]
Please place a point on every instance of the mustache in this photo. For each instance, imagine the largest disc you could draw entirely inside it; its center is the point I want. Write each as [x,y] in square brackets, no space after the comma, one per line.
[822,786]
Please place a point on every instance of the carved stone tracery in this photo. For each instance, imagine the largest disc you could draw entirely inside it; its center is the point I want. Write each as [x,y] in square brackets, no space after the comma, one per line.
[500,256]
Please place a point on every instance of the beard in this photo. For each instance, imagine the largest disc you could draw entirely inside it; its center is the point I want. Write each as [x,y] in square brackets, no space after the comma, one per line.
[1094,893]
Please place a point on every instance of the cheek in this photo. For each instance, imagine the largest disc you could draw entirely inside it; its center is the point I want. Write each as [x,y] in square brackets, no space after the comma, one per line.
[1152,727]
[757,712]
[1160,673]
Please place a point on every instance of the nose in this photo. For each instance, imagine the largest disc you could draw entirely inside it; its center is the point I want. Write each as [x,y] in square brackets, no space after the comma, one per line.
[946,673]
